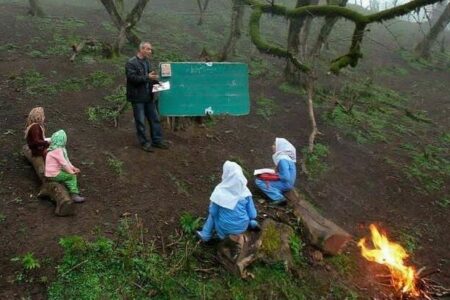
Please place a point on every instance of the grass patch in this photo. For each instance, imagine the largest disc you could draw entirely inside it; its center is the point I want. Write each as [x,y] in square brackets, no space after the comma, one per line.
[266,108]
[369,113]
[128,267]
[9,47]
[110,110]
[34,83]
[258,67]
[315,161]
[100,79]
[291,89]
[2,218]
[430,166]
[342,263]
[116,165]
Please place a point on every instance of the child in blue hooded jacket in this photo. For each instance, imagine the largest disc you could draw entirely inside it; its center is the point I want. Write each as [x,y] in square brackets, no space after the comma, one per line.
[284,158]
[232,210]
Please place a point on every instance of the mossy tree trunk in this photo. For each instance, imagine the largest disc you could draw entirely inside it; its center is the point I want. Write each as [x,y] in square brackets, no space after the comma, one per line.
[325,30]
[423,49]
[36,9]
[237,16]
[125,25]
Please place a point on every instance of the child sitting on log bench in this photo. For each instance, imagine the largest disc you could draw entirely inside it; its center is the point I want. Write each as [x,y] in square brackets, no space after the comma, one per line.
[59,168]
[232,210]
[35,132]
[284,158]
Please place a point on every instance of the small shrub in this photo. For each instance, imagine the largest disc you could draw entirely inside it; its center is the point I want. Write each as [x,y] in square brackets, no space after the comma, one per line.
[116,165]
[189,223]
[100,79]
[297,246]
[314,161]
[28,261]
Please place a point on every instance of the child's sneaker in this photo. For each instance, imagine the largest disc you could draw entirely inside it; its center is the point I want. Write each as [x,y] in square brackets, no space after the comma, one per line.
[254,225]
[77,198]
[200,236]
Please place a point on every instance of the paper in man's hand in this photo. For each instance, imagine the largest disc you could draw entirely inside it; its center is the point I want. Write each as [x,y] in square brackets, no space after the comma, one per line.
[162,86]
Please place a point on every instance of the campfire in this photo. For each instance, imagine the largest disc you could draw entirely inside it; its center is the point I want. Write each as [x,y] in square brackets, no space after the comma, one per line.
[406,281]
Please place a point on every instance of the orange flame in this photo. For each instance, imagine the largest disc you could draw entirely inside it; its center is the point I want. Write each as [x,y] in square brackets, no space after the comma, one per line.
[387,253]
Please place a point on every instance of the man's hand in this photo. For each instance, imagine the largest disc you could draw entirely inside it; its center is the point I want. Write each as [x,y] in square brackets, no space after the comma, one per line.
[76,170]
[153,76]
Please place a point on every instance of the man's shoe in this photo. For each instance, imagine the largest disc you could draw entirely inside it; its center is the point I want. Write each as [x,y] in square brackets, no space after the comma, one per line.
[147,147]
[160,145]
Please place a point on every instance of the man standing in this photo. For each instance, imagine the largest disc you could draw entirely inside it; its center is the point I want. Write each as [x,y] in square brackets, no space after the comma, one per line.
[140,80]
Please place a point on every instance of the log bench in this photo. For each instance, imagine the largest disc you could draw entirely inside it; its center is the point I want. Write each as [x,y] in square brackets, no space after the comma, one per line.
[56,192]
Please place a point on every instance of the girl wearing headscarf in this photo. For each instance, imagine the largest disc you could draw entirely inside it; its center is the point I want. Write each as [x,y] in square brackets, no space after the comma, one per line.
[58,166]
[35,132]
[284,158]
[232,210]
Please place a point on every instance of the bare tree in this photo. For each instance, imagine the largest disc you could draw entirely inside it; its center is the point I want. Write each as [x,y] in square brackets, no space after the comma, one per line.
[423,48]
[237,15]
[36,9]
[202,7]
[351,58]
[291,73]
[325,30]
[125,25]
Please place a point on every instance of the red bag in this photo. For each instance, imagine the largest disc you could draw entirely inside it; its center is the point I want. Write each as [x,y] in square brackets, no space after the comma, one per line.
[268,177]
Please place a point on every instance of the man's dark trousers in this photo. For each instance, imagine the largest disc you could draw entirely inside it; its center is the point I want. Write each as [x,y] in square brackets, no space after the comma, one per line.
[141,112]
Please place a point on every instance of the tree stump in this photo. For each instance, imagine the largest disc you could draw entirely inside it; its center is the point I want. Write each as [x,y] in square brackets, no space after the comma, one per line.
[323,233]
[270,245]
[56,192]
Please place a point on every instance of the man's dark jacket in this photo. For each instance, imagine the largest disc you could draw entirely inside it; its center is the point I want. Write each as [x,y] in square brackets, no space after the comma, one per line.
[139,86]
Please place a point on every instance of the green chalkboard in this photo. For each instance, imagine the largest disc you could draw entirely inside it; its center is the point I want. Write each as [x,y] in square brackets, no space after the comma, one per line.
[201,88]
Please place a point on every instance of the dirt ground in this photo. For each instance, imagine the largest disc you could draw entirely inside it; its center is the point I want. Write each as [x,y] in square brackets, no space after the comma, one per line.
[359,188]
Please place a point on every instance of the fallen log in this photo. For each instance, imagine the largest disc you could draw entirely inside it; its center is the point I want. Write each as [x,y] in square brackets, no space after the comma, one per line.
[56,192]
[322,233]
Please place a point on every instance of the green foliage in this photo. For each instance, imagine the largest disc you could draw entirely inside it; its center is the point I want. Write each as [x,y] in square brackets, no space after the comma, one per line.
[369,113]
[35,83]
[314,161]
[128,267]
[258,67]
[342,263]
[189,223]
[414,61]
[444,202]
[100,79]
[266,108]
[28,261]
[291,89]
[429,165]
[8,47]
[297,247]
[116,165]
[111,109]
[70,85]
